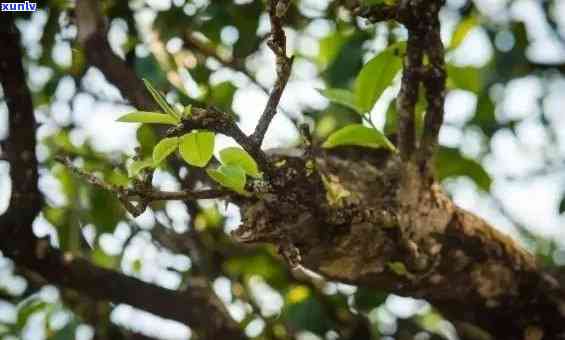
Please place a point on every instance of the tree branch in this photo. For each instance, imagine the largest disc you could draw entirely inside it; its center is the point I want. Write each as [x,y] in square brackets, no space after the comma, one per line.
[408,95]
[141,194]
[435,84]
[92,30]
[19,148]
[277,43]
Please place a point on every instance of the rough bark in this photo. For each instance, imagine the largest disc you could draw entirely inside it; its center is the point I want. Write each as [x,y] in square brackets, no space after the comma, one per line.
[392,216]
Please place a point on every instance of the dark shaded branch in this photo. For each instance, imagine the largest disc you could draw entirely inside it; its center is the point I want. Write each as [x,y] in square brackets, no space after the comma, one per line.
[19,147]
[435,84]
[92,31]
[195,307]
[209,51]
[408,96]
[277,43]
[375,13]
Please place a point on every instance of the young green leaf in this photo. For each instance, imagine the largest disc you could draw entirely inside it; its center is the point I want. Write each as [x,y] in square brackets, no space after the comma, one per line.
[238,156]
[161,101]
[450,162]
[136,166]
[377,75]
[357,134]
[464,77]
[398,268]
[187,112]
[196,148]
[343,97]
[229,176]
[462,30]
[164,148]
[148,118]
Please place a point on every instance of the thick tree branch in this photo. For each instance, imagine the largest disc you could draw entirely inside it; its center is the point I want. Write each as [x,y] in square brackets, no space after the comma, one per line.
[19,148]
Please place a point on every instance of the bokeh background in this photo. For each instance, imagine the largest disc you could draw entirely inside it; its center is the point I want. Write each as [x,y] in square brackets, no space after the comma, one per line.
[502,156]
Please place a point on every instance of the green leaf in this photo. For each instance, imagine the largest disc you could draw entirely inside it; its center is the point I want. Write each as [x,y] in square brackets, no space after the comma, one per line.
[148,118]
[229,176]
[164,148]
[27,309]
[465,78]
[462,30]
[451,163]
[196,148]
[398,268]
[357,134]
[238,156]
[136,166]
[343,97]
[187,111]
[377,75]
[161,101]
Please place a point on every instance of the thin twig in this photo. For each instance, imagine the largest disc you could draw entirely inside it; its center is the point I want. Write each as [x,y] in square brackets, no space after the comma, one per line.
[144,196]
[277,43]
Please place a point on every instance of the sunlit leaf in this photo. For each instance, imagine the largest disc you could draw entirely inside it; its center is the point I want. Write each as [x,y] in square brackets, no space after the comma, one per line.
[27,309]
[239,157]
[343,97]
[377,75]
[187,112]
[462,30]
[229,176]
[398,268]
[164,148]
[161,101]
[357,134]
[464,78]
[451,163]
[136,166]
[148,118]
[196,148]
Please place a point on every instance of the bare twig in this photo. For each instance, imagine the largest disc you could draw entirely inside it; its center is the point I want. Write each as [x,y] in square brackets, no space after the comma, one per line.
[143,196]
[277,43]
